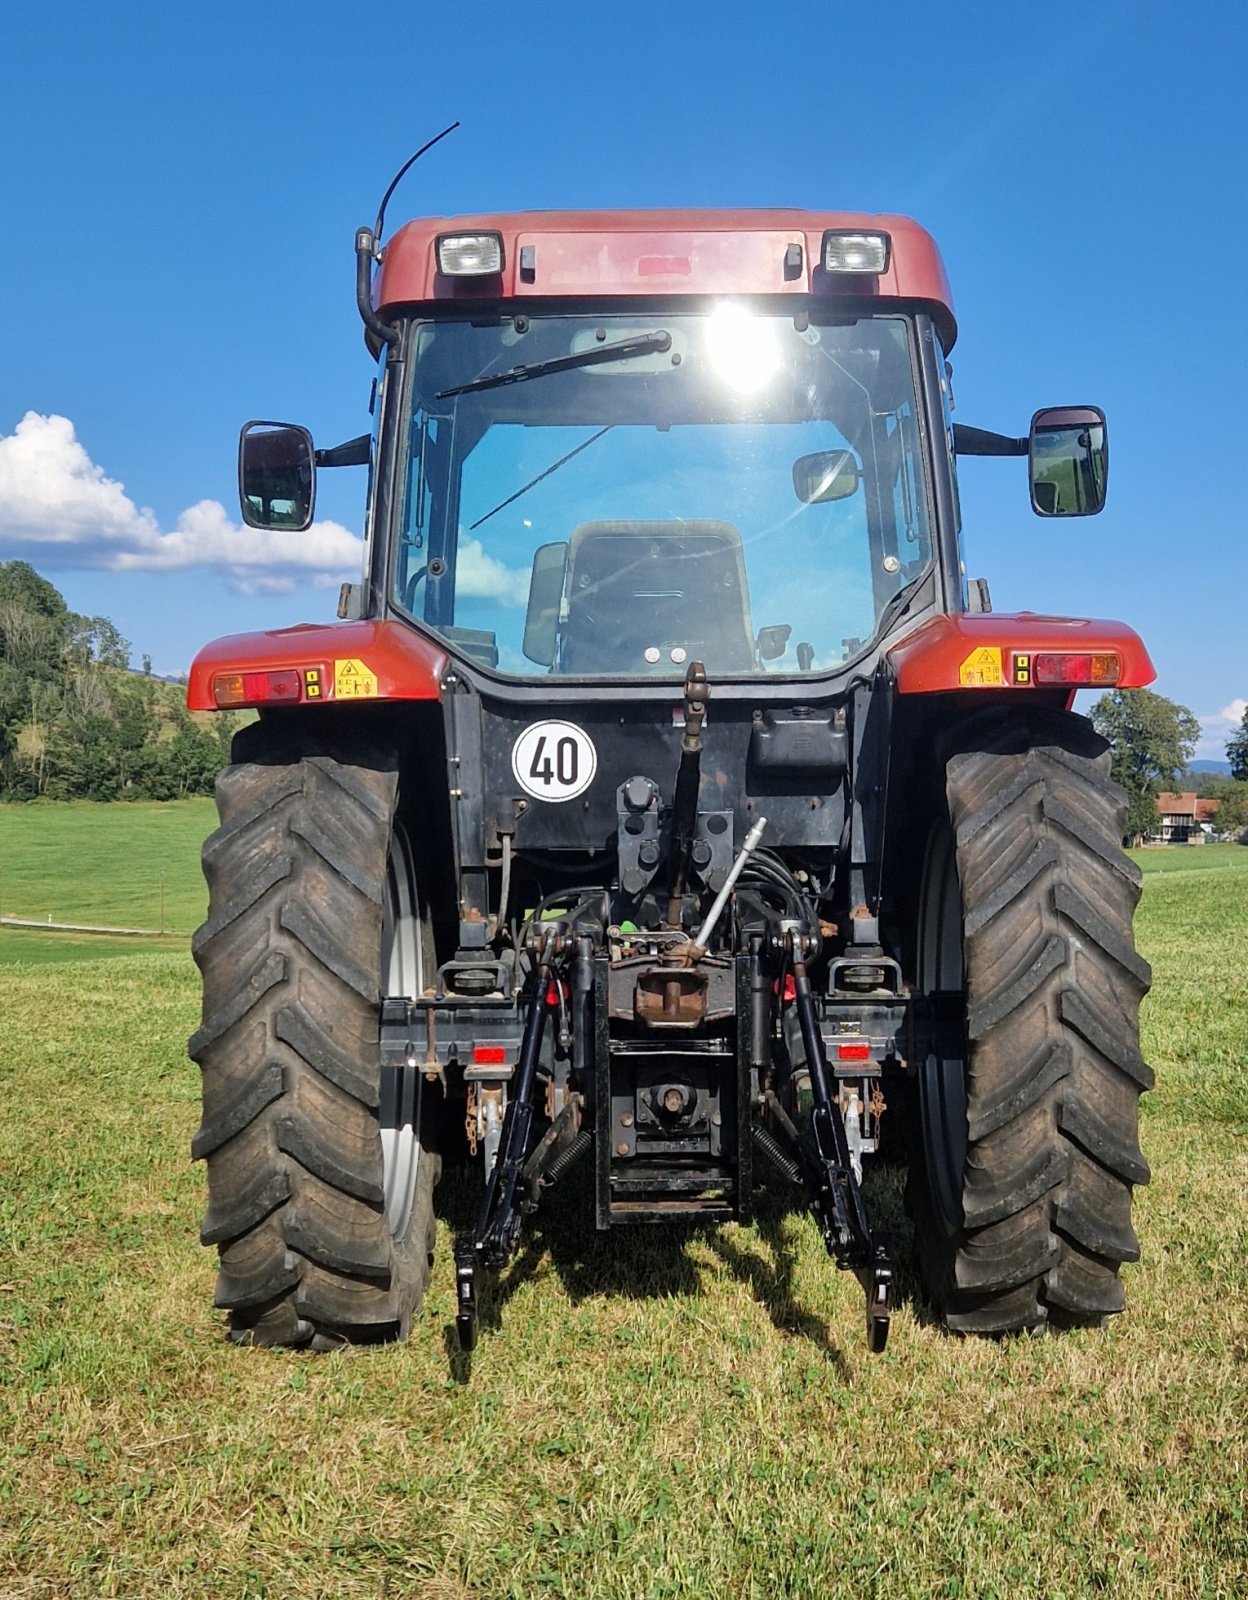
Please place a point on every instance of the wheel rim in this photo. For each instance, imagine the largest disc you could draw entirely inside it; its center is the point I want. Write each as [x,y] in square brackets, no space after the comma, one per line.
[402,976]
[942,1079]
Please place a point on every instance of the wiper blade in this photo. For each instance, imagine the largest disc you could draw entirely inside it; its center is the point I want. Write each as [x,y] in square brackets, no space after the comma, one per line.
[621,350]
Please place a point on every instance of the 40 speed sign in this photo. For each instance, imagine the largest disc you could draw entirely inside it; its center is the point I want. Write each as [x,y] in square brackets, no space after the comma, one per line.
[554,760]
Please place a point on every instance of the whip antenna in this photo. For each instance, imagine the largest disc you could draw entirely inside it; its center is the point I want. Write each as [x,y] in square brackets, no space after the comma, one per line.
[394,182]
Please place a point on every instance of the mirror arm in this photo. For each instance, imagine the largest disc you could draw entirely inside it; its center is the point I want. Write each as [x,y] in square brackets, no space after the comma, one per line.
[381,332]
[980,442]
[352,454]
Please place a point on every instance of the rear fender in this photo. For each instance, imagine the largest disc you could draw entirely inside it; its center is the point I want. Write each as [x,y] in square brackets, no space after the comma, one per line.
[320,664]
[993,651]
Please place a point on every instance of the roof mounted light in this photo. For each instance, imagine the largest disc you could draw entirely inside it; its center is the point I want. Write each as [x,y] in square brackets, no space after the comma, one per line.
[470,255]
[855,252]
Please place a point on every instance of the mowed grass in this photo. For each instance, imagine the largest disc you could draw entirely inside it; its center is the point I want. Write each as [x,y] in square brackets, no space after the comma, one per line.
[116,866]
[648,1413]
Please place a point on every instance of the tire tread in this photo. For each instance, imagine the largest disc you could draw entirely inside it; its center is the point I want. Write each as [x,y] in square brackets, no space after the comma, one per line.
[1053,985]
[289,1048]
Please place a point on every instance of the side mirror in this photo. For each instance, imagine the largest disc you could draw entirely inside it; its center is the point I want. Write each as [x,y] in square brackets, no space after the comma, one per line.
[541,620]
[276,476]
[773,641]
[827,475]
[1068,461]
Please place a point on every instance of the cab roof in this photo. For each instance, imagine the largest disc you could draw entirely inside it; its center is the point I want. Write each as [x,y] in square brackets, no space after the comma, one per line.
[601,254]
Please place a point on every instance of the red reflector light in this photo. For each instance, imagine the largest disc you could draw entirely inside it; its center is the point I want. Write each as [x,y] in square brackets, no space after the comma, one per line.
[853,1052]
[257,688]
[1096,670]
[489,1055]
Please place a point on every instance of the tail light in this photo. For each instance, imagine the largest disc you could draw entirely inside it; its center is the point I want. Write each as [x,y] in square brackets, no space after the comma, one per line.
[1098,671]
[284,685]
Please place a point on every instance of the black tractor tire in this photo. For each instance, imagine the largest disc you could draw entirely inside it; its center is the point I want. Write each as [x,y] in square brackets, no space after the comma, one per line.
[1026,1143]
[323,1238]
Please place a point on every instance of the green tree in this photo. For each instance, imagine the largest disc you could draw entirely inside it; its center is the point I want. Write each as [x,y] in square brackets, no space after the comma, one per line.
[185,765]
[95,639]
[1232,797]
[1237,750]
[32,639]
[1153,740]
[19,582]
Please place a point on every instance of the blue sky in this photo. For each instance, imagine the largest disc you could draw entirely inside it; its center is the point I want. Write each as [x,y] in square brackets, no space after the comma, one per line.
[180,187]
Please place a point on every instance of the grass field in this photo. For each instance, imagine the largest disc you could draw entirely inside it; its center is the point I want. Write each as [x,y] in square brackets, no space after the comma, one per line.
[111,865]
[654,1415]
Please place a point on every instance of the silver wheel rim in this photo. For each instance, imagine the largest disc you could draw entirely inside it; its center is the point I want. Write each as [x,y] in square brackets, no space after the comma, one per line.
[402,976]
[942,1079]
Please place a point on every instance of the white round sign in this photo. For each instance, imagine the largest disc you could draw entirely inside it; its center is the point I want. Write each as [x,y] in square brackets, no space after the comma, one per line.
[554,760]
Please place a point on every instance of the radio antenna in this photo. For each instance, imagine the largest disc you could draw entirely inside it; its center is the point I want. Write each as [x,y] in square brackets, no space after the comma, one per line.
[394,182]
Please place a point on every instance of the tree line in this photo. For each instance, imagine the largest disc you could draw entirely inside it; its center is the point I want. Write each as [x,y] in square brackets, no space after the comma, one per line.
[76,723]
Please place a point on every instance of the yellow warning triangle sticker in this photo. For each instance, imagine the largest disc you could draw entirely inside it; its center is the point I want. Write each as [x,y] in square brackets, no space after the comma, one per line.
[354,681]
[982,668]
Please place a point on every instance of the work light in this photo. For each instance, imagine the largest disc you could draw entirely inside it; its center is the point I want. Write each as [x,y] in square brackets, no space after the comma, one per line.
[470,255]
[855,252]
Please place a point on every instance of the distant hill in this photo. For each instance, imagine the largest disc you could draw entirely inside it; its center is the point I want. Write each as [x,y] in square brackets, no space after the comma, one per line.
[1222,768]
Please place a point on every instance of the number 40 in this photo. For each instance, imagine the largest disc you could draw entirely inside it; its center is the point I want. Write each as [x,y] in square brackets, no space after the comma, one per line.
[565,769]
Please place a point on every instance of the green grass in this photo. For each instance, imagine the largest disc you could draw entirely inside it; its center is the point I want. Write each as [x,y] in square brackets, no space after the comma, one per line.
[648,1414]
[80,862]
[52,947]
[1192,858]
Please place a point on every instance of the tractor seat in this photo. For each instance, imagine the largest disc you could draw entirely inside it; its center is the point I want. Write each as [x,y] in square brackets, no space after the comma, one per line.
[649,597]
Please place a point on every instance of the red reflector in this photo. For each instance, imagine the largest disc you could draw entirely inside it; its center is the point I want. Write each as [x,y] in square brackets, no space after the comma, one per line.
[789,993]
[256,688]
[271,685]
[488,1055]
[853,1052]
[1096,670]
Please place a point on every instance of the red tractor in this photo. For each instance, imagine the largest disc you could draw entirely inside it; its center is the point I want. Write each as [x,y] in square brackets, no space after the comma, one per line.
[666,799]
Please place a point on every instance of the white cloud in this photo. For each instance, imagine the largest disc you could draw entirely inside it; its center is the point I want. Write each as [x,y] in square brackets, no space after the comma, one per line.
[59,509]
[480,576]
[1217,728]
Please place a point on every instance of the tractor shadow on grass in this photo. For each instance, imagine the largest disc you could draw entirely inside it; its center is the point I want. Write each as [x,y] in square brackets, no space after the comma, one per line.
[661,1262]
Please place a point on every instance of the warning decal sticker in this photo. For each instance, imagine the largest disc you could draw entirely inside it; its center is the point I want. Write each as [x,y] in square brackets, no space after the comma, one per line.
[982,668]
[554,760]
[354,681]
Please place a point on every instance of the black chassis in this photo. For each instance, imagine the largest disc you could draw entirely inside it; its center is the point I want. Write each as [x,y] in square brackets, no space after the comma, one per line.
[546,1025]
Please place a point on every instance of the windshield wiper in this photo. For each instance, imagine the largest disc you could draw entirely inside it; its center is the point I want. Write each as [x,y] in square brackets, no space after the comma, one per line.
[622,350]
